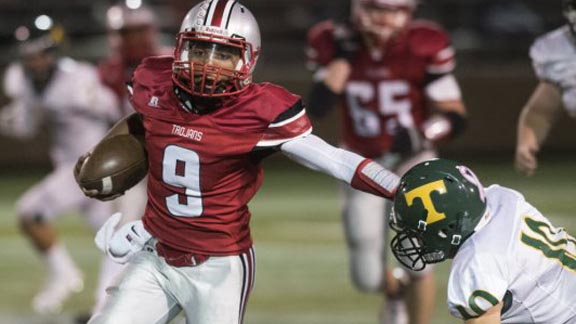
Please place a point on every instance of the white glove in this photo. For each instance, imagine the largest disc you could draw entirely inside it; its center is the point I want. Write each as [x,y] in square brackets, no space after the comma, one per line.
[120,245]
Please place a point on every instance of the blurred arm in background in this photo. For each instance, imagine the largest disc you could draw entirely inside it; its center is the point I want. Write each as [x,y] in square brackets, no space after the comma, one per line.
[554,62]
[536,120]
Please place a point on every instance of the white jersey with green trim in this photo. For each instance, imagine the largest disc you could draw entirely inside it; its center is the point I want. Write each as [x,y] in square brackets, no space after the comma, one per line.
[554,59]
[519,258]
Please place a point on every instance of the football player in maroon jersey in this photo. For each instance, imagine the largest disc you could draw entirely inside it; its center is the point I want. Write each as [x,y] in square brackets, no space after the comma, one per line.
[392,77]
[207,127]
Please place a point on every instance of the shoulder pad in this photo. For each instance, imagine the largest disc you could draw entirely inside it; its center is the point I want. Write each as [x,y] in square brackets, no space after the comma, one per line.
[157,62]
[427,38]
[552,56]
[273,100]
[152,67]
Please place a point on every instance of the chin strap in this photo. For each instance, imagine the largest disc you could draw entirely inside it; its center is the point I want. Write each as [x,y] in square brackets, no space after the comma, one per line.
[196,105]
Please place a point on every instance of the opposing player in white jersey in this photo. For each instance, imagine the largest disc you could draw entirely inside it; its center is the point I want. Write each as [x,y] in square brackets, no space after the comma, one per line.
[510,264]
[554,58]
[66,97]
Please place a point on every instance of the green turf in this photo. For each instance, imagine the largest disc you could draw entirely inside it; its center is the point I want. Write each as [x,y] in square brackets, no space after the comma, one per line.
[302,271]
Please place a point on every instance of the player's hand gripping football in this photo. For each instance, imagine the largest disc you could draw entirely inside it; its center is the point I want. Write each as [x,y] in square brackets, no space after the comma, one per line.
[123,243]
[92,193]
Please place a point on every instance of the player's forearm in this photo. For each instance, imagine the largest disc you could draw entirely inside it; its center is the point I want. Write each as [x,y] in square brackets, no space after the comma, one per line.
[526,135]
[362,174]
[337,73]
[446,124]
[538,115]
[534,126]
[131,124]
[449,120]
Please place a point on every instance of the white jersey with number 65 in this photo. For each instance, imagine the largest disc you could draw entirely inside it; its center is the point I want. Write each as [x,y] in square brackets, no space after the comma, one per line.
[519,258]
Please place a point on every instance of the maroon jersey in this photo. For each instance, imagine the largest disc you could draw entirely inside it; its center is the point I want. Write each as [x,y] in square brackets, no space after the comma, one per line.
[115,72]
[205,168]
[386,86]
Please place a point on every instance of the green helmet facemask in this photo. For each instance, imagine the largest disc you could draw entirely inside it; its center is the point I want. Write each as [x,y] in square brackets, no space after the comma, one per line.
[437,206]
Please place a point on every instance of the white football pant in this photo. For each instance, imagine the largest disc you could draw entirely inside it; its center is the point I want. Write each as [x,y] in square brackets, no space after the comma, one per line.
[150,291]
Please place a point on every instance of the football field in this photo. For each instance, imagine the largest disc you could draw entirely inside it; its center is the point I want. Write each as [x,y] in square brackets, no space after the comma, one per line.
[302,271]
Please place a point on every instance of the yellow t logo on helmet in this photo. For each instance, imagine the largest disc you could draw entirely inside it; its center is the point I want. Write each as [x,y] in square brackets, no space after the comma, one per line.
[423,192]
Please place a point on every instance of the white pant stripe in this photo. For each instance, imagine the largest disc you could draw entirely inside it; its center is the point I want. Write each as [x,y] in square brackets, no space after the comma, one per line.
[248,280]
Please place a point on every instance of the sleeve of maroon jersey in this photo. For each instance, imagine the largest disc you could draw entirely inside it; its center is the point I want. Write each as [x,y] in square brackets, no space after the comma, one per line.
[144,79]
[431,42]
[320,46]
[290,123]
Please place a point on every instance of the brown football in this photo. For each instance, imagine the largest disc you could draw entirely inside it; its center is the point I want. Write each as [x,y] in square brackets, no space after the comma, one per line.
[115,165]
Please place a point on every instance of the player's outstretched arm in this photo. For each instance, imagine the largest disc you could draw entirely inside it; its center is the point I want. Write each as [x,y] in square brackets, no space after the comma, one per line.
[492,316]
[361,173]
[534,124]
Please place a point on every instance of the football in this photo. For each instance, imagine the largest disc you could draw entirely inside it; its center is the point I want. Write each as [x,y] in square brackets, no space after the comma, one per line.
[115,165]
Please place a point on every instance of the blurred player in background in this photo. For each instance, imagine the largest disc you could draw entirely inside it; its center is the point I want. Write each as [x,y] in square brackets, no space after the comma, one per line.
[207,127]
[133,35]
[554,59]
[510,264]
[393,78]
[49,91]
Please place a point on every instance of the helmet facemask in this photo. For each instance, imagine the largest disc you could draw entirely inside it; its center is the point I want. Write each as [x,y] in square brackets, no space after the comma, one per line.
[417,248]
[407,247]
[208,65]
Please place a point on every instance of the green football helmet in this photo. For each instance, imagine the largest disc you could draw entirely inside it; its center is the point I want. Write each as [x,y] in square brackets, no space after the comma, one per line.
[437,206]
